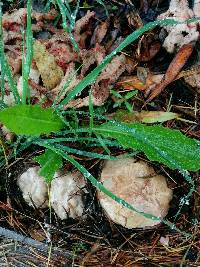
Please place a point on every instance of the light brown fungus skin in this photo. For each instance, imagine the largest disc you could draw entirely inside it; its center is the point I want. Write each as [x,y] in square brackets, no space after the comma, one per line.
[139,185]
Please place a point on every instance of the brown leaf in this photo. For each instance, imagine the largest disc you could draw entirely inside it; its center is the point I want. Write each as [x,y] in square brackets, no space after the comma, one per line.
[50,72]
[101,88]
[134,82]
[16,19]
[173,70]
[143,116]
[81,27]
[99,32]
[150,53]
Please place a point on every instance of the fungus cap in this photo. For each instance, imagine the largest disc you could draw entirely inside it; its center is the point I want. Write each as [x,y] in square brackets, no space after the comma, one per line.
[139,185]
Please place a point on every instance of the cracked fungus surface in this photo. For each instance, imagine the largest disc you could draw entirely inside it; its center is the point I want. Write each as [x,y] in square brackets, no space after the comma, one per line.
[33,188]
[139,185]
[66,192]
[66,195]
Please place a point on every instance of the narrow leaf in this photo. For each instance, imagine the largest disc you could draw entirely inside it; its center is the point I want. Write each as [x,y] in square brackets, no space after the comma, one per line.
[26,62]
[5,68]
[30,120]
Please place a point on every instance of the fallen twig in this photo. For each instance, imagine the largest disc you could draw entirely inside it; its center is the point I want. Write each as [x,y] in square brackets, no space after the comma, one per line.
[31,242]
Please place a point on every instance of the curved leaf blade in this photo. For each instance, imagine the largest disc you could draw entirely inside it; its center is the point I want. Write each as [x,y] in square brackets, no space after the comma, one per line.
[161,144]
[30,120]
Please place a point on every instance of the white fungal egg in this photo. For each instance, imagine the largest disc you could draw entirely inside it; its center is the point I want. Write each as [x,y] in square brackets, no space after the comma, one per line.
[9,100]
[139,185]
[66,195]
[34,188]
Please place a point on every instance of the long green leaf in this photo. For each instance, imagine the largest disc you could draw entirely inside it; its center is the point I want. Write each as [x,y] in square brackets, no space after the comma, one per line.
[5,68]
[166,146]
[30,120]
[102,3]
[77,151]
[65,13]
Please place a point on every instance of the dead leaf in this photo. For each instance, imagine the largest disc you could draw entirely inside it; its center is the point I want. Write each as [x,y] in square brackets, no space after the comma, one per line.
[63,53]
[142,74]
[5,206]
[99,32]
[173,70]
[81,27]
[150,52]
[37,234]
[194,79]
[101,88]
[50,72]
[134,82]
[143,116]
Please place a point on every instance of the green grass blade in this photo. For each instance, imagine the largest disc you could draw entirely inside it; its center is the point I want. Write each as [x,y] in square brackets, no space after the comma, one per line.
[63,90]
[91,111]
[90,78]
[89,140]
[78,152]
[2,56]
[26,62]
[66,14]
[5,68]
[68,28]
[73,14]
[103,144]
[102,3]
[11,81]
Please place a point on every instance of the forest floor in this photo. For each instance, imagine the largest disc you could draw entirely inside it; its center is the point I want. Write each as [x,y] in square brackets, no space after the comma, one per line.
[37,237]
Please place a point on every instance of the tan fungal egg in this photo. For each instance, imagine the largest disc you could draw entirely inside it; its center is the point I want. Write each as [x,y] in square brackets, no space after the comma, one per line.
[139,185]
[50,72]
[66,195]
[34,188]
